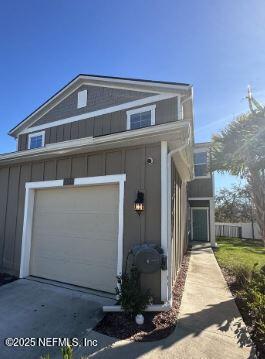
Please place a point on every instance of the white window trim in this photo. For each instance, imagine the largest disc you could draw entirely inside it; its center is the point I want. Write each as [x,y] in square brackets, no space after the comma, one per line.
[198,164]
[31,188]
[34,134]
[82,99]
[199,208]
[139,110]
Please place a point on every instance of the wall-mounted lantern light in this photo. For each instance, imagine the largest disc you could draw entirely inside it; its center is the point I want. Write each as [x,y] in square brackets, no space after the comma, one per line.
[139,203]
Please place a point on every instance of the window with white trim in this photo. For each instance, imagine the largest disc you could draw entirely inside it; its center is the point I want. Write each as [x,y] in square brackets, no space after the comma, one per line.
[141,117]
[82,99]
[36,140]
[201,164]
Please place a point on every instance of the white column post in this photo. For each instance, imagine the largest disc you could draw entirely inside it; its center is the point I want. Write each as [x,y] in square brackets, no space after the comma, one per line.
[212,222]
[164,217]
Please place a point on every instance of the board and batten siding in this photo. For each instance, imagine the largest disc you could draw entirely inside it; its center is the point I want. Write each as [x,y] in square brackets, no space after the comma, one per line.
[97,99]
[200,187]
[166,111]
[179,208]
[139,176]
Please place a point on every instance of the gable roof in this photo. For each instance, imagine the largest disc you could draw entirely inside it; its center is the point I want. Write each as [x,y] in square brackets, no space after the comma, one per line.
[131,83]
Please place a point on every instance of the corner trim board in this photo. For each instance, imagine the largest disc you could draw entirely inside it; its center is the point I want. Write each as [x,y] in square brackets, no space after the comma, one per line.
[31,188]
[164,217]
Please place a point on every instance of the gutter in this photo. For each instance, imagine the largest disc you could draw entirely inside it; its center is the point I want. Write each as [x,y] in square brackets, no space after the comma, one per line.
[94,142]
[167,304]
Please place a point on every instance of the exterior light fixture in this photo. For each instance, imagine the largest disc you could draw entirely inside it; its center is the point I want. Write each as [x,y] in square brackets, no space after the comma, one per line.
[139,203]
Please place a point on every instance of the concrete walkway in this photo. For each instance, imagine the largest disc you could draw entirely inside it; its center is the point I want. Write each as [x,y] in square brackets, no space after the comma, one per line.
[209,327]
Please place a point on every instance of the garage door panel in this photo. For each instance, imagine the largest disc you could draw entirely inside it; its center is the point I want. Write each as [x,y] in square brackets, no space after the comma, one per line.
[79,253]
[78,225]
[84,275]
[75,236]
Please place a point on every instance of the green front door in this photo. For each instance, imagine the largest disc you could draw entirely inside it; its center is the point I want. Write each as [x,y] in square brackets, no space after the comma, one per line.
[200,225]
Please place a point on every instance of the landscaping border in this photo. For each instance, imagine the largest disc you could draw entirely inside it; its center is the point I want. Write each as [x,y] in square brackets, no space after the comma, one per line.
[157,325]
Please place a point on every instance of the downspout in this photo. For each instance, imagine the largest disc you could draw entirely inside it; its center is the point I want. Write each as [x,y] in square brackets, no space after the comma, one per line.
[168,303]
[169,224]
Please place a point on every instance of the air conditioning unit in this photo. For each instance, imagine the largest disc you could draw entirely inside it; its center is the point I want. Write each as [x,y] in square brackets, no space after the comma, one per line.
[149,258]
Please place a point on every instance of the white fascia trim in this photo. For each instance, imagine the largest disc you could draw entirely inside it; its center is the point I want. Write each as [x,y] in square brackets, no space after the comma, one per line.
[200,149]
[137,83]
[199,198]
[151,131]
[139,110]
[202,177]
[41,133]
[150,308]
[31,187]
[112,83]
[164,218]
[104,111]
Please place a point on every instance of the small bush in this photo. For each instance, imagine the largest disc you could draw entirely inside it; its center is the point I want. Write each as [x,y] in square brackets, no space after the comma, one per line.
[131,297]
[253,294]
[243,275]
[67,352]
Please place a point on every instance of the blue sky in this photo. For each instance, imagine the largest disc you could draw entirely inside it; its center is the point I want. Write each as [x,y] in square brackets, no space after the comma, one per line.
[218,46]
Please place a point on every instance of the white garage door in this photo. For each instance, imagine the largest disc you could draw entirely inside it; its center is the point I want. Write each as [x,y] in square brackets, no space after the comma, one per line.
[75,236]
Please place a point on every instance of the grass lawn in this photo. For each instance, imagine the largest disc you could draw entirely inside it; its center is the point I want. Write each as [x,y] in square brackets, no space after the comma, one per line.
[234,252]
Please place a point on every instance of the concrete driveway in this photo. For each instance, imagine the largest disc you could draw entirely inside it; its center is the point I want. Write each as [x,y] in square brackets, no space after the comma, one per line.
[32,309]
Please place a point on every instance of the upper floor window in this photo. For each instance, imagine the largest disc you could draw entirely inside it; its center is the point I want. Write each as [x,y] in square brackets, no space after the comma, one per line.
[36,140]
[201,164]
[141,117]
[82,99]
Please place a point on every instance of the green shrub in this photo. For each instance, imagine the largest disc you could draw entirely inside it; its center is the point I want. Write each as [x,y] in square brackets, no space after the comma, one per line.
[253,295]
[131,297]
[242,273]
[67,352]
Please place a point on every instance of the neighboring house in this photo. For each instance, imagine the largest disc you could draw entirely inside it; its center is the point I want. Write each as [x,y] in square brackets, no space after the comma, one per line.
[67,194]
[201,197]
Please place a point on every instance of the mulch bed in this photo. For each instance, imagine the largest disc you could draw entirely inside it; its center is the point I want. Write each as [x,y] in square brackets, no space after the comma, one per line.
[156,325]
[6,278]
[235,289]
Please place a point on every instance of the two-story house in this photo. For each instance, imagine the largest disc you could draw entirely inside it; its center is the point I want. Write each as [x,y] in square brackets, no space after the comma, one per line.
[100,167]
[201,197]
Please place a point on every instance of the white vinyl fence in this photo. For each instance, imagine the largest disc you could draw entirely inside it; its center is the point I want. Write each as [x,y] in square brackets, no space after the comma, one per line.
[239,230]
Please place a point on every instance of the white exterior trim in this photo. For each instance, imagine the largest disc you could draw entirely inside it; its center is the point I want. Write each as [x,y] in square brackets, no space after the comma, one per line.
[139,110]
[154,133]
[198,208]
[150,308]
[149,87]
[164,218]
[104,111]
[41,133]
[31,187]
[212,222]
[82,99]
[199,198]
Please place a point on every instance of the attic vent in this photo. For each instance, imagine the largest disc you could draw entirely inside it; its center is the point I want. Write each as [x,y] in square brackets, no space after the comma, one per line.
[82,99]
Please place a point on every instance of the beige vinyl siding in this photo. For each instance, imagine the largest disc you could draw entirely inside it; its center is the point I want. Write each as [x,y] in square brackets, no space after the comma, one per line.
[131,161]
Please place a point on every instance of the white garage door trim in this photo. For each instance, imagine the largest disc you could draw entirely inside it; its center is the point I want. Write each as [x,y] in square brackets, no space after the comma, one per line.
[31,187]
